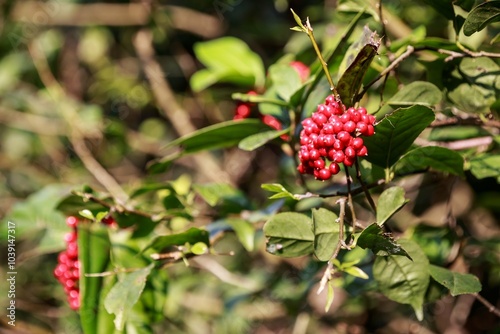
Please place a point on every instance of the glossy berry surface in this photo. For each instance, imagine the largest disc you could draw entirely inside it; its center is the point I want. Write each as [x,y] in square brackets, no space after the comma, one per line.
[331,136]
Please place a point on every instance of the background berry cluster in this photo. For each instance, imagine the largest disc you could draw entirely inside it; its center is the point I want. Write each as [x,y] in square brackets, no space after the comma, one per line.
[244,109]
[332,136]
[67,271]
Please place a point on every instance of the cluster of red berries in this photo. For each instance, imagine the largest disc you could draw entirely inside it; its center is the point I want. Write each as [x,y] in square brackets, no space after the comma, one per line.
[332,136]
[244,109]
[67,271]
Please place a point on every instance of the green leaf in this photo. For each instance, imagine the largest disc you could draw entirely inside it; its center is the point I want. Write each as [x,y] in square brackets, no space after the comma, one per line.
[215,193]
[257,140]
[37,216]
[395,134]
[356,272]
[289,234]
[94,255]
[390,202]
[417,92]
[217,136]
[481,16]
[381,244]
[478,84]
[486,165]
[326,231]
[125,294]
[281,192]
[402,280]
[199,248]
[459,132]
[285,79]
[457,283]
[244,231]
[357,61]
[85,213]
[437,158]
[443,7]
[330,296]
[227,59]
[191,236]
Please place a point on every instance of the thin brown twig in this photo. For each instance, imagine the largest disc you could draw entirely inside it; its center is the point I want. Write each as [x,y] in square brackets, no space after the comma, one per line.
[363,186]
[491,307]
[409,50]
[178,117]
[465,121]
[76,136]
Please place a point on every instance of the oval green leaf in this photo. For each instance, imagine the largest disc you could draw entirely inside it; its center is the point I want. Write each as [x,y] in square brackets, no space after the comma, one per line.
[395,134]
[390,202]
[481,16]
[457,283]
[326,231]
[418,92]
[437,158]
[257,140]
[402,280]
[289,234]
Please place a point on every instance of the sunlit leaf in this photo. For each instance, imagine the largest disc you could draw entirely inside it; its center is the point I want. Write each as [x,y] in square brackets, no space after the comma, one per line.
[257,140]
[191,236]
[486,165]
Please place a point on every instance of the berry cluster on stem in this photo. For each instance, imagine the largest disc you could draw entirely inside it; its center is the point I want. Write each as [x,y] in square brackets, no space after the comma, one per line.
[331,136]
[67,271]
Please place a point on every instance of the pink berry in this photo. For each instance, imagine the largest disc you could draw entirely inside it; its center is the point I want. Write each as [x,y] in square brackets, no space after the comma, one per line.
[71,221]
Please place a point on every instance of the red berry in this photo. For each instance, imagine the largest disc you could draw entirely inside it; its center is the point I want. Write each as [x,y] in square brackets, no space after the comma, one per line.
[344,137]
[70,237]
[338,145]
[350,152]
[74,304]
[362,127]
[71,221]
[357,143]
[344,118]
[363,151]
[320,163]
[350,126]
[330,100]
[319,119]
[302,69]
[334,168]
[328,128]
[349,161]
[338,156]
[362,110]
[324,174]
[370,131]
[314,155]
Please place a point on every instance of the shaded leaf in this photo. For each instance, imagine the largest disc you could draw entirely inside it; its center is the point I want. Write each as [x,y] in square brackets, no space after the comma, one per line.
[395,134]
[437,158]
[214,193]
[402,280]
[481,16]
[125,294]
[417,92]
[357,63]
[443,7]
[326,231]
[390,201]
[457,283]
[381,244]
[451,133]
[289,234]
[191,236]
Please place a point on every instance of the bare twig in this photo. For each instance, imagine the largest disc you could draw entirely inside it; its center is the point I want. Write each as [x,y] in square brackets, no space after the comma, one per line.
[465,121]
[457,145]
[76,136]
[491,307]
[409,50]
[329,271]
[363,186]
[33,123]
[178,117]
